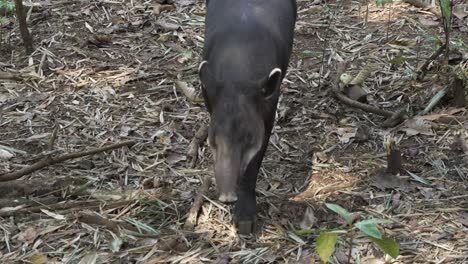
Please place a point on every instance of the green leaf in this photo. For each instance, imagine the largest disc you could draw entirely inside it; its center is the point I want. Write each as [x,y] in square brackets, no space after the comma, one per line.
[10,6]
[446,10]
[341,211]
[369,229]
[397,60]
[326,245]
[388,245]
[374,221]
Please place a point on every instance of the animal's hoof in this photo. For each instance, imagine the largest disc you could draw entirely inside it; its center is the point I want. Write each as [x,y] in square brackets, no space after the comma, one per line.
[246,227]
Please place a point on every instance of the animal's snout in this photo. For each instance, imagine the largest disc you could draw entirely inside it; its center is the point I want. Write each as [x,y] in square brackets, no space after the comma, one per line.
[228,197]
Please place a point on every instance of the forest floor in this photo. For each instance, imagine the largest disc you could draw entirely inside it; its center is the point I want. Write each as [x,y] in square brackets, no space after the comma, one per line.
[104,72]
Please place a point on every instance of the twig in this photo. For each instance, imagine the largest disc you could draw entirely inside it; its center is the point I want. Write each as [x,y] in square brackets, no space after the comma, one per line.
[47,161]
[197,141]
[53,137]
[191,220]
[397,117]
[63,206]
[423,70]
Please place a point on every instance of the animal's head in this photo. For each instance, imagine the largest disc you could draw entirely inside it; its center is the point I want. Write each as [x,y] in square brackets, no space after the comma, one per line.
[242,114]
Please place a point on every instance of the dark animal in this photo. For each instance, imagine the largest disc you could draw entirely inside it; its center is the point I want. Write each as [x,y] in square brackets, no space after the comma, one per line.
[246,53]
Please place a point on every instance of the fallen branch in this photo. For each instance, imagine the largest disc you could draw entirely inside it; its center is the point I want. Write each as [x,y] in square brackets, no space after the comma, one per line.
[423,70]
[191,220]
[63,206]
[395,117]
[197,141]
[47,161]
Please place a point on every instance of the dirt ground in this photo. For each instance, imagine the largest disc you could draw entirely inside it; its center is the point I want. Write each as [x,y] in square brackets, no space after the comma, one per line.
[104,72]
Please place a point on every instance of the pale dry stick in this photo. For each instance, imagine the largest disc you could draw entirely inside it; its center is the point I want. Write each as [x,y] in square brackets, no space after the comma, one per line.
[191,220]
[47,161]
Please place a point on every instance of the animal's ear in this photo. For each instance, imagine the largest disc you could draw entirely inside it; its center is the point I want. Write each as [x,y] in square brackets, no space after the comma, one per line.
[207,82]
[203,72]
[272,83]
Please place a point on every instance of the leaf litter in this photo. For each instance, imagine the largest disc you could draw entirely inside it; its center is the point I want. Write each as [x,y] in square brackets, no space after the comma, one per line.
[109,71]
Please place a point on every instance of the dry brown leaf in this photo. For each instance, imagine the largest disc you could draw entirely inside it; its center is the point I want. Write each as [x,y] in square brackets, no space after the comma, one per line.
[38,258]
[309,220]
[418,125]
[345,134]
[89,258]
[28,235]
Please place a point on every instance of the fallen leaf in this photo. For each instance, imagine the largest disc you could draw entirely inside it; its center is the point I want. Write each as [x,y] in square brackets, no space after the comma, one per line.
[28,235]
[460,11]
[384,180]
[89,27]
[53,215]
[5,154]
[306,257]
[428,22]
[309,219]
[38,258]
[89,258]
[418,125]
[174,158]
[346,133]
[222,259]
[124,131]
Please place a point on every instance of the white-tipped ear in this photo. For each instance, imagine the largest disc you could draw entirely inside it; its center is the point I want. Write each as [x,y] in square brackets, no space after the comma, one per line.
[271,84]
[274,71]
[201,65]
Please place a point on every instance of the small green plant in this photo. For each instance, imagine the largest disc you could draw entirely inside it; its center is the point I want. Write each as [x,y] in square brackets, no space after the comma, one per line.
[9,6]
[382,3]
[327,239]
